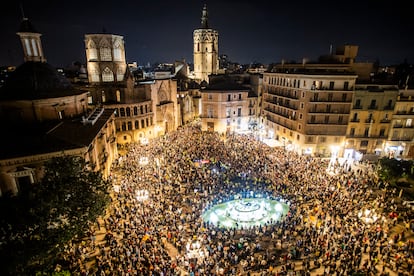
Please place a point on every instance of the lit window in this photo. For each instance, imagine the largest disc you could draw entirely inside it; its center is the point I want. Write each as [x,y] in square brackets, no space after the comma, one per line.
[93,53]
[27,45]
[117,52]
[34,46]
[106,54]
[118,96]
[103,97]
[107,75]
[119,74]
[94,74]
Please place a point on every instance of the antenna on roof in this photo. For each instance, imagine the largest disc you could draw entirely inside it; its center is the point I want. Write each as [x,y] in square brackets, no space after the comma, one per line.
[22,11]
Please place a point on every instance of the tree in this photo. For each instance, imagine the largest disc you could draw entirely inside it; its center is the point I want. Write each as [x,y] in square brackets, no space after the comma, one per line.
[55,211]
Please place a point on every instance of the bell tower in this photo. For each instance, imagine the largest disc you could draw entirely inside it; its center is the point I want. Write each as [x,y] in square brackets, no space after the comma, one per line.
[31,42]
[205,50]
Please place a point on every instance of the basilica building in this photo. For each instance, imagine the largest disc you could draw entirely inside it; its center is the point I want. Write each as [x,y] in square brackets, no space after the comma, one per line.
[46,117]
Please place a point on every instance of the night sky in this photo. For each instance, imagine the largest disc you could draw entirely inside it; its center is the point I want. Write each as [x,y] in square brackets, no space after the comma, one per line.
[249,31]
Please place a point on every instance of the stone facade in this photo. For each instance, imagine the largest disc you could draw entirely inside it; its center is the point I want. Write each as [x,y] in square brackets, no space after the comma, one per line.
[206,59]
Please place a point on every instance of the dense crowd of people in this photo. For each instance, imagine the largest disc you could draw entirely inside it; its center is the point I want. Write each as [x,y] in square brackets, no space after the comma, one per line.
[154,223]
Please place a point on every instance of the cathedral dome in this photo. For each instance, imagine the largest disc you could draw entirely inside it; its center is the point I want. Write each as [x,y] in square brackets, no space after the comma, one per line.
[36,80]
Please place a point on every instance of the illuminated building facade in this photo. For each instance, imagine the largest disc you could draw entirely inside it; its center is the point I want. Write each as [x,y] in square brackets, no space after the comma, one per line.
[401,135]
[227,108]
[105,58]
[306,108]
[370,119]
[143,109]
[206,59]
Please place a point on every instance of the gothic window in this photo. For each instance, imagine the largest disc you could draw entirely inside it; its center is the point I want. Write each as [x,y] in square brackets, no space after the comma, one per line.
[93,53]
[106,54]
[135,111]
[117,51]
[128,112]
[119,74]
[136,124]
[94,75]
[107,75]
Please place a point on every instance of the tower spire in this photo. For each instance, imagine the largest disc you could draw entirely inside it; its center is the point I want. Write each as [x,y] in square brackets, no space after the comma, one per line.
[204,18]
[22,11]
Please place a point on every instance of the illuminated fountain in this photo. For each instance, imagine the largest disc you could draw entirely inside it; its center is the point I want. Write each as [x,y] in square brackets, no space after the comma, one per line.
[246,212]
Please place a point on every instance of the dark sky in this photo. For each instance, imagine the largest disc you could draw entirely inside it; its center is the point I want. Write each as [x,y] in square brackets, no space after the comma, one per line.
[249,31]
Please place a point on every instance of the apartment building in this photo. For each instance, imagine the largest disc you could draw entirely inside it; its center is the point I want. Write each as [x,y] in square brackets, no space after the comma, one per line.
[306,107]
[227,108]
[370,119]
[401,135]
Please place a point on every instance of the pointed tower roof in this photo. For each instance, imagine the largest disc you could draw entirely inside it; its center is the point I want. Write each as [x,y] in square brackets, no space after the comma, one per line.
[27,27]
[204,18]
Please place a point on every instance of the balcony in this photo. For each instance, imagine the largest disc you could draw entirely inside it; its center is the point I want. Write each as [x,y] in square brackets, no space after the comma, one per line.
[327,123]
[326,111]
[369,121]
[287,116]
[389,107]
[372,107]
[366,136]
[282,104]
[407,139]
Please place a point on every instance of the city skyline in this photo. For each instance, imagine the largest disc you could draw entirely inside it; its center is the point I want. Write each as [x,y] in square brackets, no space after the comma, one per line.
[249,31]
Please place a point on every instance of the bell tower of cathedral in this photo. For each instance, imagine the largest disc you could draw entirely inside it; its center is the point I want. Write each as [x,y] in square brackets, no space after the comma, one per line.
[205,50]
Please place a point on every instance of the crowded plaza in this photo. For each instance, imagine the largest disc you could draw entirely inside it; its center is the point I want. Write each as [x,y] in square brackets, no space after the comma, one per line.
[288,214]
